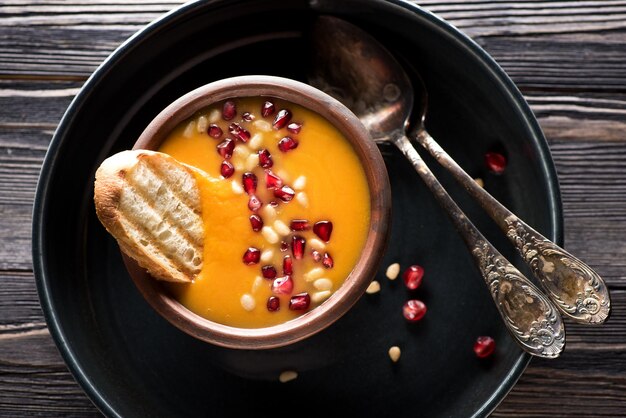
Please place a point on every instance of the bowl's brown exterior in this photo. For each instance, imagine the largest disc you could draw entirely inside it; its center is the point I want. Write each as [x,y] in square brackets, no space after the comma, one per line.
[355,284]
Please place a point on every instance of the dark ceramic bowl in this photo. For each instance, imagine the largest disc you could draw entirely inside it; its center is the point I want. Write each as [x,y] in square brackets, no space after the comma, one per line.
[354,285]
[132,362]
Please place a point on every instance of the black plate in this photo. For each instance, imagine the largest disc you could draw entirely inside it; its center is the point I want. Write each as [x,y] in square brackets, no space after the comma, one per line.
[131,362]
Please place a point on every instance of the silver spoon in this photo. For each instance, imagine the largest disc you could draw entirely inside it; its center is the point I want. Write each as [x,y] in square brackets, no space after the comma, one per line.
[354,68]
[578,291]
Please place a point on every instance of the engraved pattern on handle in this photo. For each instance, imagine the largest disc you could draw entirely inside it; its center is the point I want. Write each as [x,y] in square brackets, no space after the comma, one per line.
[533,321]
[573,286]
[528,314]
[578,291]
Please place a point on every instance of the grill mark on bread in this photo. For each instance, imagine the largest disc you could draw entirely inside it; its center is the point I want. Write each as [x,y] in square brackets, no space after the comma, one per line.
[157,231]
[169,246]
[158,264]
[159,193]
[162,167]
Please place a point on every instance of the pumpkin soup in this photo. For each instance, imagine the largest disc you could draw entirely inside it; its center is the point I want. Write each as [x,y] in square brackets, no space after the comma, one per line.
[286,209]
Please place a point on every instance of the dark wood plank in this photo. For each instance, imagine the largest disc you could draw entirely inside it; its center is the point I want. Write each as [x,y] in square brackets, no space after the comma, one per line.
[35,381]
[542,45]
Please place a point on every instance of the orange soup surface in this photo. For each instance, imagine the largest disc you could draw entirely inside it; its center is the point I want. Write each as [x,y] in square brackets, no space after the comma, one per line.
[286,209]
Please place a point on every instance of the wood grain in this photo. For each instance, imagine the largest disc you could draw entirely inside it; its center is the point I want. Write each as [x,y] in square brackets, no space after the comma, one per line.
[569,60]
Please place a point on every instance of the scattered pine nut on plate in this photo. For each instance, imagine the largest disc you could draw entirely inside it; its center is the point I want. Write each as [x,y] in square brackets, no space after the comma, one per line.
[392,271]
[287,376]
[394,353]
[374,287]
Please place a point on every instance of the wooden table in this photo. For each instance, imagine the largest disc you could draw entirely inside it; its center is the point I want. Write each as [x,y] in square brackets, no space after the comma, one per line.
[568,58]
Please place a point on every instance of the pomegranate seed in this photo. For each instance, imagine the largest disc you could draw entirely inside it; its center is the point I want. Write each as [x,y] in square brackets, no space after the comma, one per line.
[238,132]
[225,148]
[317,256]
[285,193]
[294,127]
[227,169]
[495,162]
[287,265]
[284,246]
[282,119]
[414,310]
[251,256]
[413,277]
[249,181]
[269,272]
[215,131]
[327,261]
[297,246]
[268,109]
[254,203]
[299,302]
[247,116]
[323,229]
[282,285]
[273,304]
[287,143]
[299,225]
[484,346]
[256,222]
[265,158]
[229,110]
[272,181]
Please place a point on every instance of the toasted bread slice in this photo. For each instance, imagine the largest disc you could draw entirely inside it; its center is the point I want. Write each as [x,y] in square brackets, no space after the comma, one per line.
[150,203]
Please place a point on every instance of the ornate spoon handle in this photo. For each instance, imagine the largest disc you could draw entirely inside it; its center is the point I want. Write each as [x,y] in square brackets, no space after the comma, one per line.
[530,317]
[578,291]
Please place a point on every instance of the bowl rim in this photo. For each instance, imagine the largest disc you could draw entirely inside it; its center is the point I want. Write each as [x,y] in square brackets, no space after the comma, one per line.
[40,268]
[353,287]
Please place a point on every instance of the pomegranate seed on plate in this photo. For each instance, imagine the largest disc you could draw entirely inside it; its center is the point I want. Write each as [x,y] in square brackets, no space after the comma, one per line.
[268,271]
[287,265]
[285,193]
[273,304]
[484,346]
[272,181]
[282,285]
[268,109]
[495,162]
[215,131]
[287,143]
[226,169]
[254,203]
[297,247]
[413,277]
[283,117]
[294,127]
[299,225]
[247,116]
[238,132]
[414,310]
[323,229]
[251,256]
[327,261]
[249,182]
[284,246]
[256,222]
[225,148]
[229,110]
[265,158]
[299,302]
